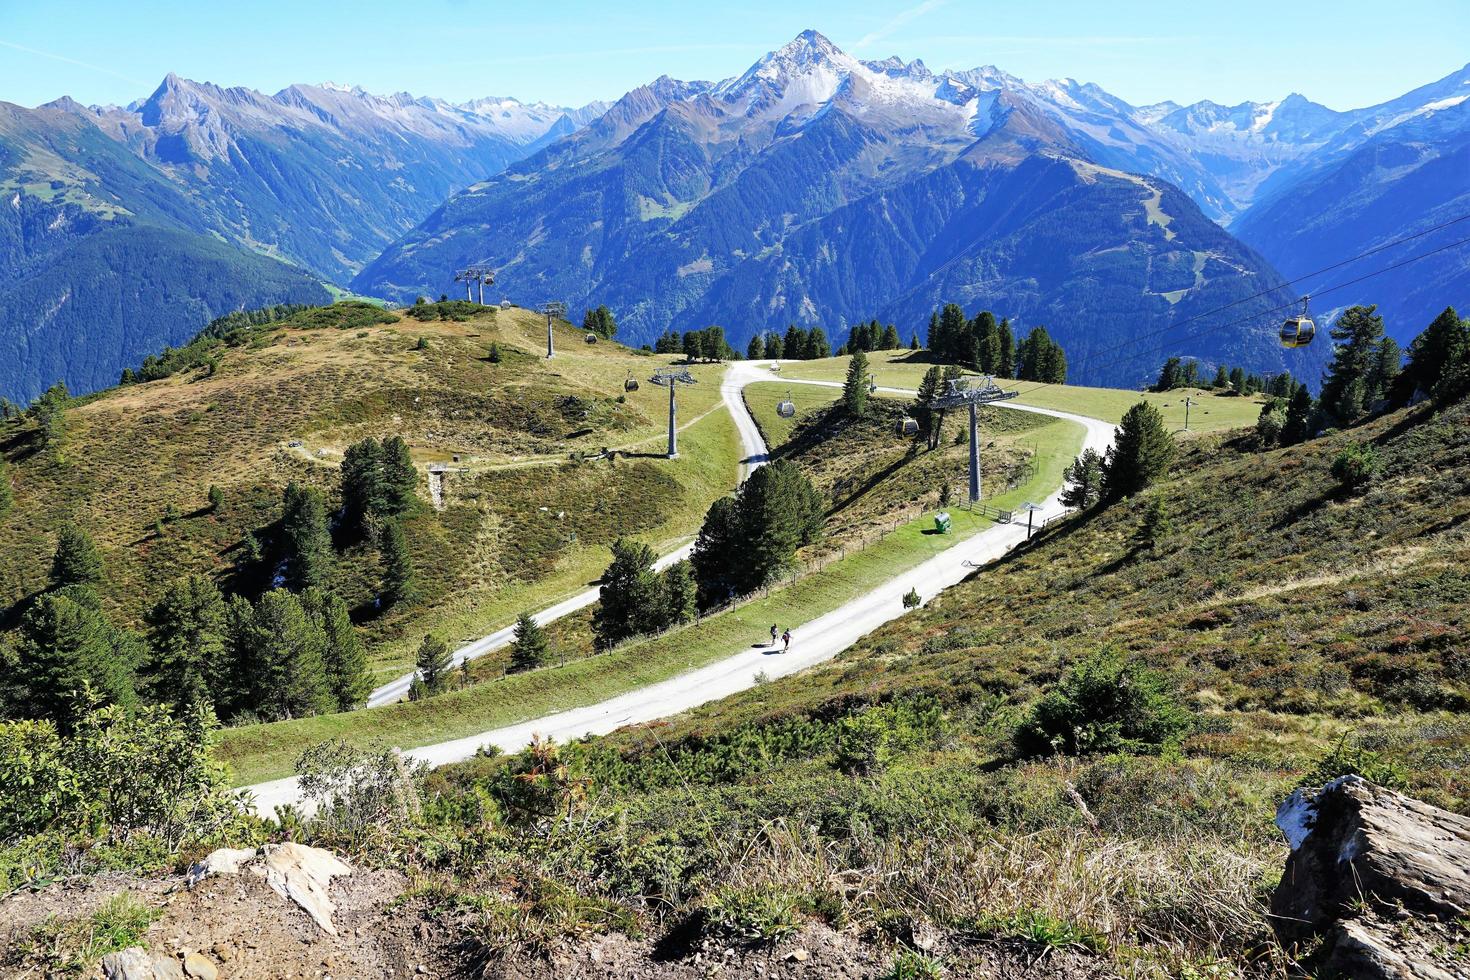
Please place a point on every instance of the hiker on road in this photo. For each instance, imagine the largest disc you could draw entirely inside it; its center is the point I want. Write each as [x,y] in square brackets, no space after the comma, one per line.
[786,639]
[774,633]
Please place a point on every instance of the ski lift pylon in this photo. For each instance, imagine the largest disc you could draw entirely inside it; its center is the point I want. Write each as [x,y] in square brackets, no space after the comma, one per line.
[1298,331]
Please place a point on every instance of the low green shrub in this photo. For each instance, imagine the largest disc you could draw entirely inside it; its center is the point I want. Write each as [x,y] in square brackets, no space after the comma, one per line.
[1104,704]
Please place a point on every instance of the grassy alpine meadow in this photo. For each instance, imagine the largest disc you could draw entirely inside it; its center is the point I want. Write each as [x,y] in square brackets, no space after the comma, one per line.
[662,503]
[469,387]
[1281,632]
[843,573]
[1211,412]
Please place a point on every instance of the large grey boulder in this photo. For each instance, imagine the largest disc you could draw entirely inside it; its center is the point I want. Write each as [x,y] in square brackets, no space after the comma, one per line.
[1377,884]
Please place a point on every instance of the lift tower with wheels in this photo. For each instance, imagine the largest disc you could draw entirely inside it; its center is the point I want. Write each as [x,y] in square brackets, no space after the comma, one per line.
[671,378]
[482,275]
[960,393]
[553,309]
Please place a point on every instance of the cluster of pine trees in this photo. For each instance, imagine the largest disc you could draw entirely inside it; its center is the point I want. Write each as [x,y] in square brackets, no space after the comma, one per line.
[797,345]
[1368,374]
[600,322]
[1141,453]
[291,651]
[1178,372]
[635,600]
[871,336]
[984,344]
[285,655]
[751,538]
[708,344]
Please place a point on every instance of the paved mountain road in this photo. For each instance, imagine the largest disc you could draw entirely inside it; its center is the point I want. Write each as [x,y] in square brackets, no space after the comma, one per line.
[812,642]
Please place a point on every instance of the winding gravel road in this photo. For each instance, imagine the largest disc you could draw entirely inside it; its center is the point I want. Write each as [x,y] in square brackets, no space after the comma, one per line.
[811,643]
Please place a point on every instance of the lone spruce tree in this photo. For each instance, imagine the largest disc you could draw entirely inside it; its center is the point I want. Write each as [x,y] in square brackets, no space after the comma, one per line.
[76,560]
[1141,452]
[855,388]
[528,647]
[434,662]
[1084,481]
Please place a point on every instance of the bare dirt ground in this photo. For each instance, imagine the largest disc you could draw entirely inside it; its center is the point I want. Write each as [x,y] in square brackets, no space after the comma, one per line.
[248,931]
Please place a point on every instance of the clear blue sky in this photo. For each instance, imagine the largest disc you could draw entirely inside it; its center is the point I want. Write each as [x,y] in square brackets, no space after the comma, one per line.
[1345,54]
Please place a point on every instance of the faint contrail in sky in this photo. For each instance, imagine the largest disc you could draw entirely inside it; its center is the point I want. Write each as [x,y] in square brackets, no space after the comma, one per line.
[898,20]
[71,61]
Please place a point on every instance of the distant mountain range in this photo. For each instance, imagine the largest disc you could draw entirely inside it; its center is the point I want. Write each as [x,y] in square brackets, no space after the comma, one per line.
[129,228]
[814,188]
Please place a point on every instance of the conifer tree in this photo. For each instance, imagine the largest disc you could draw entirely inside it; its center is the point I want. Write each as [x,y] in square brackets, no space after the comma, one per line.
[1347,390]
[1084,481]
[1006,366]
[1271,422]
[1222,377]
[399,578]
[817,345]
[756,349]
[716,550]
[680,594]
[287,649]
[600,322]
[76,560]
[775,350]
[1171,374]
[1437,352]
[890,339]
[400,479]
[186,644]
[344,658]
[1299,413]
[795,342]
[914,342]
[362,484]
[855,388]
[922,411]
[779,512]
[1142,451]
[528,645]
[308,542]
[65,644]
[631,600]
[435,661]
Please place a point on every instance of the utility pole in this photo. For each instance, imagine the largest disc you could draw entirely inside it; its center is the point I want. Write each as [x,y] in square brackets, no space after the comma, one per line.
[552,309]
[671,378]
[1188,403]
[960,393]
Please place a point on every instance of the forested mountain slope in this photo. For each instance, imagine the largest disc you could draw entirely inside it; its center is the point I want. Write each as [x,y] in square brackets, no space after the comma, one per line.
[104,260]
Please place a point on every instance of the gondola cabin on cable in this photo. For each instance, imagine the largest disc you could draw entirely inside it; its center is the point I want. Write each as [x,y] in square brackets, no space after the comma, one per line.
[631,384]
[786,407]
[908,426]
[1298,330]
[591,338]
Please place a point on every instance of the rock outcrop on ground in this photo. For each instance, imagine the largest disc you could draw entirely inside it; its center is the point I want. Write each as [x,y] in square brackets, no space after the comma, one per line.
[1377,884]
